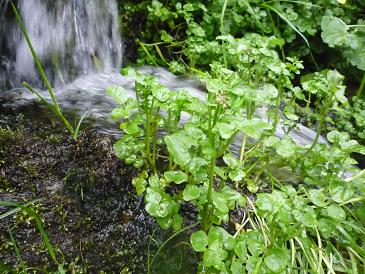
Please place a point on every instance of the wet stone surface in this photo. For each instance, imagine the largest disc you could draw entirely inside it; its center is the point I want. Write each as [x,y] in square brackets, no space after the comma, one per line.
[89,208]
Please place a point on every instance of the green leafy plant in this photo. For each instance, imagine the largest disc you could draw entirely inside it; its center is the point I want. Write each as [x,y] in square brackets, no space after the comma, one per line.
[199,167]
[349,38]
[302,203]
[181,29]
[52,106]
[351,119]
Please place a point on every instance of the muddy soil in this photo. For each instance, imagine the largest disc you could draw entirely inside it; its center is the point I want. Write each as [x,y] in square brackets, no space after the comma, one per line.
[88,206]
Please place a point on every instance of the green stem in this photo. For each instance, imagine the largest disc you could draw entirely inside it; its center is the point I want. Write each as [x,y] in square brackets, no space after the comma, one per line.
[154,141]
[243,147]
[16,249]
[278,100]
[51,107]
[308,102]
[361,88]
[213,118]
[222,30]
[222,16]
[207,210]
[147,52]
[319,130]
[56,107]
[148,131]
[168,133]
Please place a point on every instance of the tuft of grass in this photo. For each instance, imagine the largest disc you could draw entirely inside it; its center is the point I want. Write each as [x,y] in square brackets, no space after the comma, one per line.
[52,106]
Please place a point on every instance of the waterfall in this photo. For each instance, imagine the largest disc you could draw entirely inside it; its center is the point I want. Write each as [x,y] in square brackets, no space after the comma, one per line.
[71,38]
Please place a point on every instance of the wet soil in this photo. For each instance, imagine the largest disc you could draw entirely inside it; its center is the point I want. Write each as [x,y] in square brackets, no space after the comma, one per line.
[88,206]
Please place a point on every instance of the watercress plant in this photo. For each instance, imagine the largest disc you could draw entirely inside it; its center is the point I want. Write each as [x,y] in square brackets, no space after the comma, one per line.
[214,153]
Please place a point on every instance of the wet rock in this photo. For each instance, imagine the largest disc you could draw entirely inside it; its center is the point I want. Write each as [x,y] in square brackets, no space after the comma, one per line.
[88,207]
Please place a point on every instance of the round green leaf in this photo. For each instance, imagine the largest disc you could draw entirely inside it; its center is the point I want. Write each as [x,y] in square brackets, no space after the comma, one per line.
[306,215]
[191,192]
[265,204]
[335,212]
[177,222]
[317,197]
[341,191]
[215,237]
[140,185]
[178,177]
[334,31]
[118,93]
[256,246]
[213,257]
[241,250]
[164,223]
[199,240]
[219,202]
[237,267]
[158,210]
[153,196]
[285,148]
[276,259]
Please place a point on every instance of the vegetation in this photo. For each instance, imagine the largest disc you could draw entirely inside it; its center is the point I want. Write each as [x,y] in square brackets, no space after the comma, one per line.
[237,150]
[305,214]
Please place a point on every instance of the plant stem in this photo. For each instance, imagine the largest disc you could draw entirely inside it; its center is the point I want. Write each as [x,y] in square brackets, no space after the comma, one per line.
[154,141]
[319,130]
[278,100]
[222,30]
[53,107]
[361,88]
[243,147]
[148,133]
[147,52]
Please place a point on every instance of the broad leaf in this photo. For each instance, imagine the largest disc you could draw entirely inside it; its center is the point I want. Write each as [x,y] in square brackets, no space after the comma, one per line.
[334,31]
[199,241]
[341,191]
[178,177]
[119,94]
[276,259]
[254,127]
[317,197]
[191,192]
[179,145]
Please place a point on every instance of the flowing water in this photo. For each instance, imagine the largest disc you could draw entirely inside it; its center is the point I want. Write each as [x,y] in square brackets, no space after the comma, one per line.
[71,38]
[79,44]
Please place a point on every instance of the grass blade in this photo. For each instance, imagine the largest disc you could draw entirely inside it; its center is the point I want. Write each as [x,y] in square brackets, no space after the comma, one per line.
[16,249]
[17,206]
[284,18]
[35,56]
[76,131]
[168,240]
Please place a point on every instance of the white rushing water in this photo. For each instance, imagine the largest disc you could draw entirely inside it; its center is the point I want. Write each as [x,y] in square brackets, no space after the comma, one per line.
[71,38]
